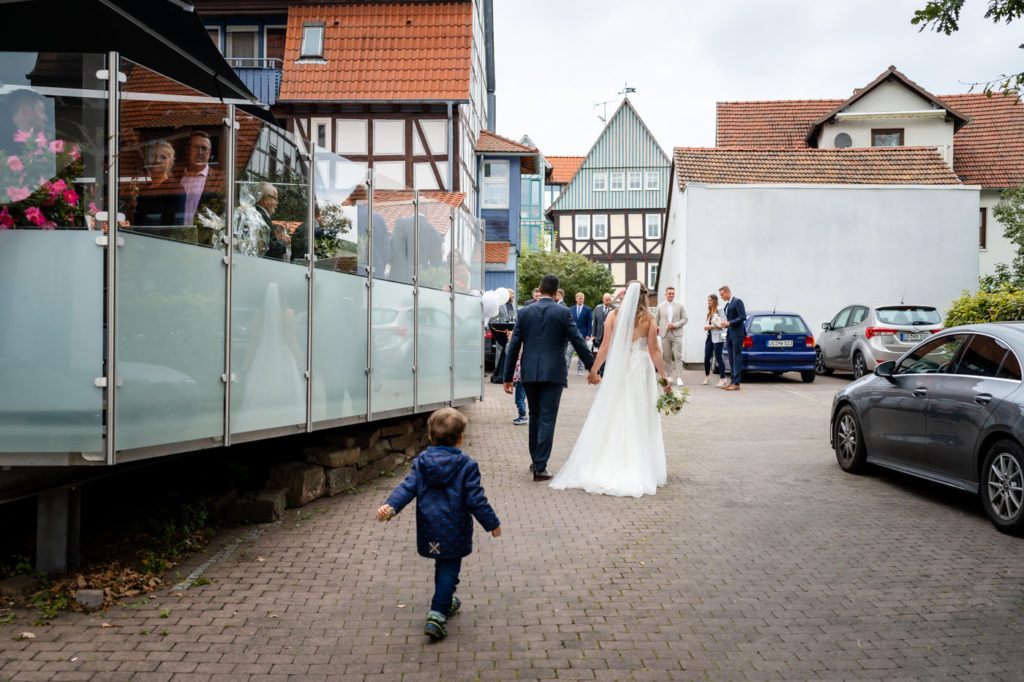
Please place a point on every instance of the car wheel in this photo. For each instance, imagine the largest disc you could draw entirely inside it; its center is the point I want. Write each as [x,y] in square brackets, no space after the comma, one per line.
[860,367]
[848,441]
[819,364]
[1002,486]
[807,376]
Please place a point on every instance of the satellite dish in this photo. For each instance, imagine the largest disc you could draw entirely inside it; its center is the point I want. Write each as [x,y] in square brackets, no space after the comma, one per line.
[843,141]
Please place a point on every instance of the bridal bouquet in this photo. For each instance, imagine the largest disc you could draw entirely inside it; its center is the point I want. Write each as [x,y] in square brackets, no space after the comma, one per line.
[670,402]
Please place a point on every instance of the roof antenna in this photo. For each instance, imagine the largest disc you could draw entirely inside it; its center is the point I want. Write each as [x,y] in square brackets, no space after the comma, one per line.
[776,304]
[604,108]
[903,296]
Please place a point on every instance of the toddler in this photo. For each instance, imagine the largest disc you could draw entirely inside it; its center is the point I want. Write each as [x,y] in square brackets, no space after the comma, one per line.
[446,484]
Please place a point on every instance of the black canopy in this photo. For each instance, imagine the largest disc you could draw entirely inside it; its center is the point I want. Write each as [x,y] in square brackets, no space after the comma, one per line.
[166,36]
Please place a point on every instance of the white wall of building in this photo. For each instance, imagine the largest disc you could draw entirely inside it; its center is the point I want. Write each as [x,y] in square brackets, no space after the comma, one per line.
[813,249]
[998,249]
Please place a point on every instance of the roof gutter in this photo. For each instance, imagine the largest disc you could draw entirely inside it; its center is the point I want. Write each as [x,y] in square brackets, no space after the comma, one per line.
[489,49]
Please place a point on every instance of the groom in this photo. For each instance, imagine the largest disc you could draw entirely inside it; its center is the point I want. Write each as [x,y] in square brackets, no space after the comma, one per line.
[542,331]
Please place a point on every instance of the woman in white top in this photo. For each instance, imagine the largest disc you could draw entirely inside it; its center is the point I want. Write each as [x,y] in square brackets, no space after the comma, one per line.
[714,341]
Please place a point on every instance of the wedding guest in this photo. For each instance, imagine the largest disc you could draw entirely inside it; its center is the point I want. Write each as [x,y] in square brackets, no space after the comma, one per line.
[193,181]
[715,340]
[445,482]
[280,241]
[155,202]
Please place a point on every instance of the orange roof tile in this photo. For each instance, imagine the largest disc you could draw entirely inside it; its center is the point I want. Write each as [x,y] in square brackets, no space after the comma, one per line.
[496,252]
[563,168]
[870,166]
[781,124]
[381,52]
[989,151]
[494,143]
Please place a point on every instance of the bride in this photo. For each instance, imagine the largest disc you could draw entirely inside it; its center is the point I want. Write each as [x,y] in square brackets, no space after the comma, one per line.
[620,450]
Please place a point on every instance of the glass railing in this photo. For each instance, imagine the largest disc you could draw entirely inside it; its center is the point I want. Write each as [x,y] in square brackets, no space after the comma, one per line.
[248,287]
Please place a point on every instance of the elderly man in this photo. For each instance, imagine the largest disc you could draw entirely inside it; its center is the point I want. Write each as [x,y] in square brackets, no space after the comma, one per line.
[280,241]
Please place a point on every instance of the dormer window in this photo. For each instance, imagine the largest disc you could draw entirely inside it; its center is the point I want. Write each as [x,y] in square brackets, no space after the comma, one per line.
[887,137]
[312,41]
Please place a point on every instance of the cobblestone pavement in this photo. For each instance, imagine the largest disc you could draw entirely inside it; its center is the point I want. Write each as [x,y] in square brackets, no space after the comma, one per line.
[759,560]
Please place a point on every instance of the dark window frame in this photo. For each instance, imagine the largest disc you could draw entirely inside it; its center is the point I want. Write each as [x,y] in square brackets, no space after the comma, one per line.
[983,229]
[886,131]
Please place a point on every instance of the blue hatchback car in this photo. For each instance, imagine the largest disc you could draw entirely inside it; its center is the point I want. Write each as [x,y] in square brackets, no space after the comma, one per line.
[778,342]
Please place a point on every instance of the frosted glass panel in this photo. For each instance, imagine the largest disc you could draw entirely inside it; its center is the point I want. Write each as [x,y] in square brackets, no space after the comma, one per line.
[435,243]
[51,341]
[339,345]
[435,337]
[170,342]
[268,344]
[469,334]
[393,329]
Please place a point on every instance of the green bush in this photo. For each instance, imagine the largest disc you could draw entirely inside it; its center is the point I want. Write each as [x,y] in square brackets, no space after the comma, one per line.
[575,273]
[1002,305]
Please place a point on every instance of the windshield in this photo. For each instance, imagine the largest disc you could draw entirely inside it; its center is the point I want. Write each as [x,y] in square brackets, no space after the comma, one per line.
[777,324]
[908,314]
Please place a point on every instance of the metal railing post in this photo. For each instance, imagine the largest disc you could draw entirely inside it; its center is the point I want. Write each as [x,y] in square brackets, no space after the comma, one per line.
[369,292]
[113,217]
[451,293]
[228,239]
[311,258]
[415,300]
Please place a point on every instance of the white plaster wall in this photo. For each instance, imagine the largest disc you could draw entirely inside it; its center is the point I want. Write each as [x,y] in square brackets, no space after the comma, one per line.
[917,132]
[890,96]
[999,248]
[812,250]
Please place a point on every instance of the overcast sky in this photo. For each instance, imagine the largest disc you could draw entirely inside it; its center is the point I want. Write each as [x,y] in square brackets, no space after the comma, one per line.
[556,58]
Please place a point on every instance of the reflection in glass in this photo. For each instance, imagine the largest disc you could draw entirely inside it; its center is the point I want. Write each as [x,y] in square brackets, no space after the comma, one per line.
[393,327]
[469,334]
[339,345]
[338,201]
[435,242]
[435,338]
[396,209]
[51,141]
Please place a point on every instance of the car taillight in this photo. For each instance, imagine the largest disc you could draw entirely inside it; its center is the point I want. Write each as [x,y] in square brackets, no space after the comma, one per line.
[879,331]
[936,331]
[748,341]
[810,341]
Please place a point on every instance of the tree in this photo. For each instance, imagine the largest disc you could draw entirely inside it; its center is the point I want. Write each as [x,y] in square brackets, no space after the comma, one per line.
[943,16]
[1010,212]
[575,273]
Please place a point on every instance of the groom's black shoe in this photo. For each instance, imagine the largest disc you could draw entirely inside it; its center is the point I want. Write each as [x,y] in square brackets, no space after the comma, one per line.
[542,475]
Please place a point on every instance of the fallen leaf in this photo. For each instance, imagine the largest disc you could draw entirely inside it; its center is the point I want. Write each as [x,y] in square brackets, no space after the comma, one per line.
[260,559]
[80,580]
[401,606]
[25,635]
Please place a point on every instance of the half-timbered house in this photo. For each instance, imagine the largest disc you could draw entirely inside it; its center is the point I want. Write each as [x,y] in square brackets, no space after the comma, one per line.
[613,208]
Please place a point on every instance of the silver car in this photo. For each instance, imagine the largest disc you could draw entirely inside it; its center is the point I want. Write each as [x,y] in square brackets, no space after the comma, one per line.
[860,337]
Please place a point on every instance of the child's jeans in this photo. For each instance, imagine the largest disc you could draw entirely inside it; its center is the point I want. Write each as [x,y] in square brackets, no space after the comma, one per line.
[520,399]
[446,577]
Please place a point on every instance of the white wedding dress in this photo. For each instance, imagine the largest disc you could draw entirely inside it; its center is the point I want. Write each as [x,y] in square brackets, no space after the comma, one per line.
[620,450]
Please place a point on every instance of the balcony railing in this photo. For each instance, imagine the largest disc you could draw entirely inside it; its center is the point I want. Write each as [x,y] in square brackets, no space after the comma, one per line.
[260,74]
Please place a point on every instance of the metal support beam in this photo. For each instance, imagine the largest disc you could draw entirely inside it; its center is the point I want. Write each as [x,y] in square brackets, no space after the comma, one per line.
[58,527]
[113,217]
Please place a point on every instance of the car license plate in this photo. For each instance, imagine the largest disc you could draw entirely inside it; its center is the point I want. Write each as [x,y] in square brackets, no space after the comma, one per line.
[913,337]
[780,343]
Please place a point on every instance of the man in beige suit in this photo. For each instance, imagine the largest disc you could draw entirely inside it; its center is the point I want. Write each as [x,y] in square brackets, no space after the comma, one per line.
[671,318]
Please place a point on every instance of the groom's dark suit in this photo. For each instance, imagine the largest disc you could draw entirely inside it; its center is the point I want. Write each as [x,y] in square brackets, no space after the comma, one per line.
[542,331]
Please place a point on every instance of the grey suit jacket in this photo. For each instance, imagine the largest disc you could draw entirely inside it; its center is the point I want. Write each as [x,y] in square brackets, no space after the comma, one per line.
[599,317]
[678,318]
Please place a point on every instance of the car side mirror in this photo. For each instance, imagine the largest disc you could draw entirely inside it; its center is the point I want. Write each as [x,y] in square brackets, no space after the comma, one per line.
[827,326]
[885,369]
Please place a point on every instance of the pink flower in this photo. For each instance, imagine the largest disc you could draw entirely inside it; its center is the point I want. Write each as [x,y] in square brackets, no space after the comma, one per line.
[57,146]
[22,135]
[15,164]
[93,209]
[40,140]
[55,188]
[6,221]
[17,193]
[75,154]
[35,215]
[71,196]
[49,225]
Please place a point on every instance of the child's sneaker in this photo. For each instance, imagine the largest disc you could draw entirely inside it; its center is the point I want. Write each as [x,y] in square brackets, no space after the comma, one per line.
[435,627]
[456,603]
[521,420]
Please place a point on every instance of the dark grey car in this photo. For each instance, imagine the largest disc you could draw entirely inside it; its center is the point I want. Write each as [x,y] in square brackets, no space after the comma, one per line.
[950,410]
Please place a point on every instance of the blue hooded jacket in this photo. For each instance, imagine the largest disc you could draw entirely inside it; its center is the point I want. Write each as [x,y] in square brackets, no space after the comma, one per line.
[446,484]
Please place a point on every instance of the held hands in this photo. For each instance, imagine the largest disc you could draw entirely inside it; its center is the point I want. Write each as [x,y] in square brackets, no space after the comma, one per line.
[496,532]
[385,512]
[593,378]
